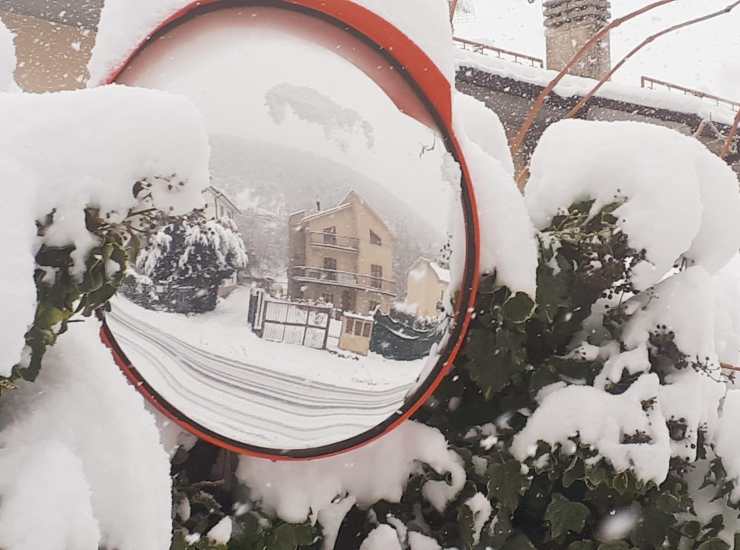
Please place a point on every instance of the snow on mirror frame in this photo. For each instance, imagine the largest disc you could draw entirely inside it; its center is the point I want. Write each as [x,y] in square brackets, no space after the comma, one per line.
[308,308]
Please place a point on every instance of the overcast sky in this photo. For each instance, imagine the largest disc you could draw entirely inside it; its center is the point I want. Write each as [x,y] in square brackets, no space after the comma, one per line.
[705,56]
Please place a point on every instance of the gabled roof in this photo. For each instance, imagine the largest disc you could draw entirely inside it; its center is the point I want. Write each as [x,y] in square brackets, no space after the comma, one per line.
[352,197]
[322,213]
[442,275]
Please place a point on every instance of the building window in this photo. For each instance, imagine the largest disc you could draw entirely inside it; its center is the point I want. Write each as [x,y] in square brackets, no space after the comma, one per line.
[348,300]
[375,238]
[330,235]
[376,271]
[358,328]
[330,264]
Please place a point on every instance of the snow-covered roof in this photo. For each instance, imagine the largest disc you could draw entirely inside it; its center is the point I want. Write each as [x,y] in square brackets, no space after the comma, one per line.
[352,197]
[443,275]
[327,212]
[579,86]
[357,316]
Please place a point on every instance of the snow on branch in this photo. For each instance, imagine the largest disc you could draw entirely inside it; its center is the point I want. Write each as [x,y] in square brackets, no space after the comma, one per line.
[655,174]
[300,491]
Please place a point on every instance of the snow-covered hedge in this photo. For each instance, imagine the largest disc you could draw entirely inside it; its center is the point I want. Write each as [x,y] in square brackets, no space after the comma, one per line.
[589,409]
[81,464]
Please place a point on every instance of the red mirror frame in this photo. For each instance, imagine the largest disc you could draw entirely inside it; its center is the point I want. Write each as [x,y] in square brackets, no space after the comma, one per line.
[435,91]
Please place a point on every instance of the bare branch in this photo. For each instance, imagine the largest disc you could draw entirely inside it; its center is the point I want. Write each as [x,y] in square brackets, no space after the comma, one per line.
[587,47]
[730,137]
[453,9]
[575,110]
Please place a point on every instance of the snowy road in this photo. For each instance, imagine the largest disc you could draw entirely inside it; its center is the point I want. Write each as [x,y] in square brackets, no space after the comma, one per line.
[253,404]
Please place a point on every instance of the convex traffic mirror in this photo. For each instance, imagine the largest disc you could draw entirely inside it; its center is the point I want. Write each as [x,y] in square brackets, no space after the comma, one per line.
[320,293]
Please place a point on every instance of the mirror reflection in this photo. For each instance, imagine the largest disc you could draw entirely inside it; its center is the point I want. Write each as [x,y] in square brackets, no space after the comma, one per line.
[309,297]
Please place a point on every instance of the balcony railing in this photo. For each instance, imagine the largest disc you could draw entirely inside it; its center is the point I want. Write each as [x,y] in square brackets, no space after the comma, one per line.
[345,279]
[652,83]
[508,55]
[332,240]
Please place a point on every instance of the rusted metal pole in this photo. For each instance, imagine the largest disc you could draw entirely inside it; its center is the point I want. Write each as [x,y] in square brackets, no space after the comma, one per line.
[521,135]
[575,110]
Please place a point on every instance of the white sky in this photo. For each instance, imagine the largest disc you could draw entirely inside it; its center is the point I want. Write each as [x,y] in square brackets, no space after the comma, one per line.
[705,56]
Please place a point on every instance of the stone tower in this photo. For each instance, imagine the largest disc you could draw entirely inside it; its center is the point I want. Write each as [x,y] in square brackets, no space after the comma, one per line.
[569,24]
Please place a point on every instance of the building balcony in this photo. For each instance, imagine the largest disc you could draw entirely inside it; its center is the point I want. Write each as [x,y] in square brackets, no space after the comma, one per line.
[334,241]
[344,279]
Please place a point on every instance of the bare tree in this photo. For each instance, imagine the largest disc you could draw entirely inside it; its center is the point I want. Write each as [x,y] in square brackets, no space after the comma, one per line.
[727,9]
[539,103]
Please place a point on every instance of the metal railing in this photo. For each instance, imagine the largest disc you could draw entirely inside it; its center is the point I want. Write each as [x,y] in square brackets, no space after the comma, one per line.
[501,53]
[332,240]
[344,278]
[650,83]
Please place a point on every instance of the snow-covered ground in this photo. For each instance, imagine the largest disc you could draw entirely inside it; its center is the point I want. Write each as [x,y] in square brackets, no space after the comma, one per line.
[214,369]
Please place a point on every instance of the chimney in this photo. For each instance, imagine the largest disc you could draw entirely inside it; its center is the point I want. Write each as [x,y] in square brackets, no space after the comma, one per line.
[569,24]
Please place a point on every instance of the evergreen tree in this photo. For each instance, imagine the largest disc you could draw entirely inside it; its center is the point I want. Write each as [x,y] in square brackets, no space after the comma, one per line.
[191,256]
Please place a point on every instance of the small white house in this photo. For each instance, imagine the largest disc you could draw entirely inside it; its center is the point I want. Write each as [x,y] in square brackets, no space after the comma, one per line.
[426,285]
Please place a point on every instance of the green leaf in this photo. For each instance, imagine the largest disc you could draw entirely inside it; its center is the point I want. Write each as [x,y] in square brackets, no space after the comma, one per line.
[518,308]
[466,523]
[597,475]
[565,516]
[304,534]
[507,484]
[574,472]
[714,544]
[290,536]
[652,528]
[614,545]
[519,542]
[691,529]
[283,538]
[499,533]
[666,502]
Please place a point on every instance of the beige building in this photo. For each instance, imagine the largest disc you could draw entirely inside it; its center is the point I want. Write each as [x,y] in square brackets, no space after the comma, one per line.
[426,286]
[342,256]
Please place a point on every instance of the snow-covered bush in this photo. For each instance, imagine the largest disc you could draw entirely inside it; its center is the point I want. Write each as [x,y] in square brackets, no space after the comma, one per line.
[194,255]
[82,465]
[592,413]
[75,159]
[588,411]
